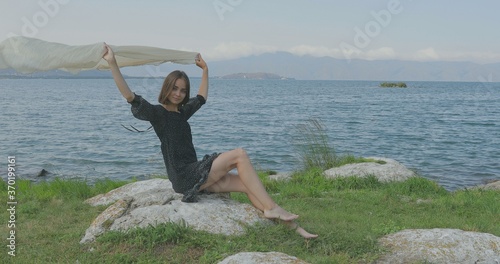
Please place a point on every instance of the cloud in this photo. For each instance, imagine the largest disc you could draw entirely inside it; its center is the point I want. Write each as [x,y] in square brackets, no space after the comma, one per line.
[478,57]
[233,50]
[316,51]
[428,54]
[383,53]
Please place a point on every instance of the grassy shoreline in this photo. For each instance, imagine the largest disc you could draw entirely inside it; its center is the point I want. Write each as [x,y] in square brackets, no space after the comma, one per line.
[349,214]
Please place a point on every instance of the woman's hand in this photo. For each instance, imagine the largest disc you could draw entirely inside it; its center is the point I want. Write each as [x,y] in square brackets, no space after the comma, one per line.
[200,62]
[109,55]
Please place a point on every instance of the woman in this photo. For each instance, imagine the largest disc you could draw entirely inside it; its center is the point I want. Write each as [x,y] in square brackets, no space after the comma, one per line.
[188,175]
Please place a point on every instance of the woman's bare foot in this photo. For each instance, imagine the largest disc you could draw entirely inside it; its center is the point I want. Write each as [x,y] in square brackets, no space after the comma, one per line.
[301,231]
[304,233]
[279,213]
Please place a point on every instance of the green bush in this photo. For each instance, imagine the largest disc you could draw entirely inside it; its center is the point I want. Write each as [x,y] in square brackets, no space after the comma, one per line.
[393,84]
[313,146]
[315,151]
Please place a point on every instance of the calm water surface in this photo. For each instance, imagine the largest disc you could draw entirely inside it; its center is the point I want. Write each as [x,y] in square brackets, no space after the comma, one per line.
[446,131]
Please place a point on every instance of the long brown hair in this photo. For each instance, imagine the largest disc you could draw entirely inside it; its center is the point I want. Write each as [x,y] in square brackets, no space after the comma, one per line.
[168,86]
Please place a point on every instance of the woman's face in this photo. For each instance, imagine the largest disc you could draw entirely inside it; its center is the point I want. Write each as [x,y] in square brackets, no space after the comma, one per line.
[178,93]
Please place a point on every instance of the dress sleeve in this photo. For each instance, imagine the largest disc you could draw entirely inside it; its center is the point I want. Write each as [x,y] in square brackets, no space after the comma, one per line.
[142,109]
[193,105]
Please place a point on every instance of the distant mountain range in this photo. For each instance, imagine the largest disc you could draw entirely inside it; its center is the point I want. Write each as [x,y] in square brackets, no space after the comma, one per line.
[287,65]
[328,68]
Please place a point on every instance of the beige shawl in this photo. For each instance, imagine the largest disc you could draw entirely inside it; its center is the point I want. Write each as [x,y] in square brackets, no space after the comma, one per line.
[28,55]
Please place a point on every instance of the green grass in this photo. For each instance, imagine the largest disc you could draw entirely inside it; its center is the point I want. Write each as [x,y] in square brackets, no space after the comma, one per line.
[313,146]
[349,214]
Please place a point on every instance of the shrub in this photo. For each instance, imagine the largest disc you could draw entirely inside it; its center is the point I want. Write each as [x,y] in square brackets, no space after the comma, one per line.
[393,84]
[313,147]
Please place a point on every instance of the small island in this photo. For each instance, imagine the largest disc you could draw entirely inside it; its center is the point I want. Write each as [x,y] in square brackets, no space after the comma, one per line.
[393,85]
[255,76]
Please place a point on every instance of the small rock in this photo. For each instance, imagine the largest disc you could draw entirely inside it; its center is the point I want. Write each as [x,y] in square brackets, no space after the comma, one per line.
[261,257]
[285,176]
[43,173]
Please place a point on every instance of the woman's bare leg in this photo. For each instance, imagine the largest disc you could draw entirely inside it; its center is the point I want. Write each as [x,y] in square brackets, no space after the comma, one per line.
[239,159]
[232,183]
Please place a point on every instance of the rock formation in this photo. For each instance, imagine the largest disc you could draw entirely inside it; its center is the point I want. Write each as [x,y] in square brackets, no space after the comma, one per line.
[390,171]
[493,185]
[152,202]
[441,246]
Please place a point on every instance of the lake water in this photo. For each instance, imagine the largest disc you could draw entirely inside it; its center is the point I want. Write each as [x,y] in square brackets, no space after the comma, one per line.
[446,131]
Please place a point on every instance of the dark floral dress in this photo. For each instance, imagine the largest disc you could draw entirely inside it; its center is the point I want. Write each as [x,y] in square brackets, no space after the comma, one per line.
[184,170]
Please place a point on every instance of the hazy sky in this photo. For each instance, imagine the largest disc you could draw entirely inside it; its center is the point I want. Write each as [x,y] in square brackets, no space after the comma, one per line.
[421,30]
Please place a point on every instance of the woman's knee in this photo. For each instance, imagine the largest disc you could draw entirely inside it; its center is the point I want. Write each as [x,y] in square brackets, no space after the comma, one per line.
[229,183]
[242,155]
[229,160]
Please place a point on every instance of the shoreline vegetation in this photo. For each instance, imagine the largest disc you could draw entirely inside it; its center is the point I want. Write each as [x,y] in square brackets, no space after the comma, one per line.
[393,85]
[350,215]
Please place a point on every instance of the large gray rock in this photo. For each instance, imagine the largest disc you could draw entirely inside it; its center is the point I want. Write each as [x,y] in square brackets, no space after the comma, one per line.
[143,188]
[441,246]
[390,171]
[261,257]
[283,176]
[493,185]
[152,202]
[102,223]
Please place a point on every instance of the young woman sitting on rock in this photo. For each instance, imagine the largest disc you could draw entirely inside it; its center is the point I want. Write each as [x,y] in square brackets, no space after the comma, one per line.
[188,175]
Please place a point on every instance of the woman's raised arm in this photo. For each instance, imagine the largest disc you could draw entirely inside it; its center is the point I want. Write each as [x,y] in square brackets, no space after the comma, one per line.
[120,82]
[203,91]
